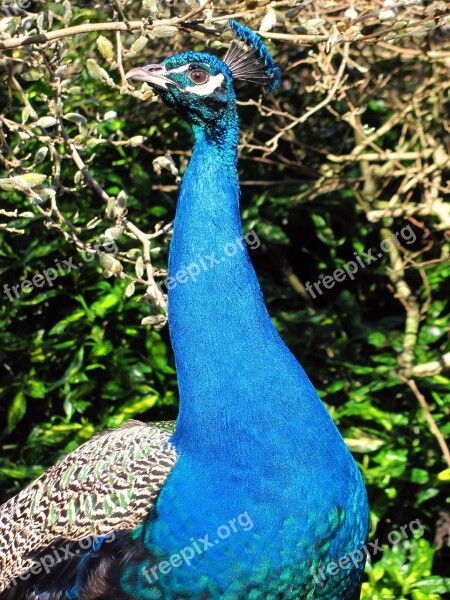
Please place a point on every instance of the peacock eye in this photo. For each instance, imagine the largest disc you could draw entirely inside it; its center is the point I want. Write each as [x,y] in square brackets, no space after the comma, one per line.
[198,76]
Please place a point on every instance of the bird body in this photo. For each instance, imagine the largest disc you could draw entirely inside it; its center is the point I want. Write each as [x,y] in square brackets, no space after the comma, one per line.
[261,492]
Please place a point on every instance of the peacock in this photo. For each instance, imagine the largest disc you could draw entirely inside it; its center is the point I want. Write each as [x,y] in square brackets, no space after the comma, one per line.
[253,494]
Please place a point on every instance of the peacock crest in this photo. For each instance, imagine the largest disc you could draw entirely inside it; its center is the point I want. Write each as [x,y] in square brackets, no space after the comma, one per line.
[249,60]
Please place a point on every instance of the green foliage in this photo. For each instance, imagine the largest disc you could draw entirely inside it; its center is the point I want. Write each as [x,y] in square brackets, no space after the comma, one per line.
[404,572]
[74,355]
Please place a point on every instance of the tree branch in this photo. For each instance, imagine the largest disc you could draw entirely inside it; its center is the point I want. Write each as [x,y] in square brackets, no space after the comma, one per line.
[434,367]
[44,38]
[429,417]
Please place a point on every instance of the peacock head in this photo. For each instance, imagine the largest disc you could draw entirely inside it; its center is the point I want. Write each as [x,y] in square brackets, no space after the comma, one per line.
[199,86]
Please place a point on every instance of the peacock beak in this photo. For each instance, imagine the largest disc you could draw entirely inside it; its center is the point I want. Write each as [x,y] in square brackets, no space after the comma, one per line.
[154,75]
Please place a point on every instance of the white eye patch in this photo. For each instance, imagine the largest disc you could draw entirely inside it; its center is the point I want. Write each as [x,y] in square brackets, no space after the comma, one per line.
[205,89]
[180,69]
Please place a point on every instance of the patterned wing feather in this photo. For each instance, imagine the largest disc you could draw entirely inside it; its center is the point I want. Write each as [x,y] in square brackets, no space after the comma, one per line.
[107,484]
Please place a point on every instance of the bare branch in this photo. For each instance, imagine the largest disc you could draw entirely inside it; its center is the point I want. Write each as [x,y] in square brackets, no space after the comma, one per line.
[429,417]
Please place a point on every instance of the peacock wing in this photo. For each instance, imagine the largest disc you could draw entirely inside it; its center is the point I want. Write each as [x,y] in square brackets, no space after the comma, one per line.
[109,483]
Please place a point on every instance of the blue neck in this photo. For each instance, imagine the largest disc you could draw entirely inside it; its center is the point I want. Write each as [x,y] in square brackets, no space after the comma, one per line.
[227,350]
[252,435]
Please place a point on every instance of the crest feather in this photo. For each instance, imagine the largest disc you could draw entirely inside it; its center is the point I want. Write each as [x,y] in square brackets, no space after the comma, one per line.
[248,58]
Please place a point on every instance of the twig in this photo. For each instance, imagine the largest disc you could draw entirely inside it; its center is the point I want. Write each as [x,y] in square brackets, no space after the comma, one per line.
[119,59]
[44,38]
[23,96]
[195,12]
[273,142]
[380,156]
[152,288]
[431,368]
[438,208]
[405,296]
[428,416]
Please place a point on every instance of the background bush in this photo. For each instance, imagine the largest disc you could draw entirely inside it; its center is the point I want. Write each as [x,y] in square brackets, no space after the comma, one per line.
[353,149]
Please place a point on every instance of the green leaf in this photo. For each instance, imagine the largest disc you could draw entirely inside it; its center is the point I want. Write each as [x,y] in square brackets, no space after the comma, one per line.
[444,475]
[16,411]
